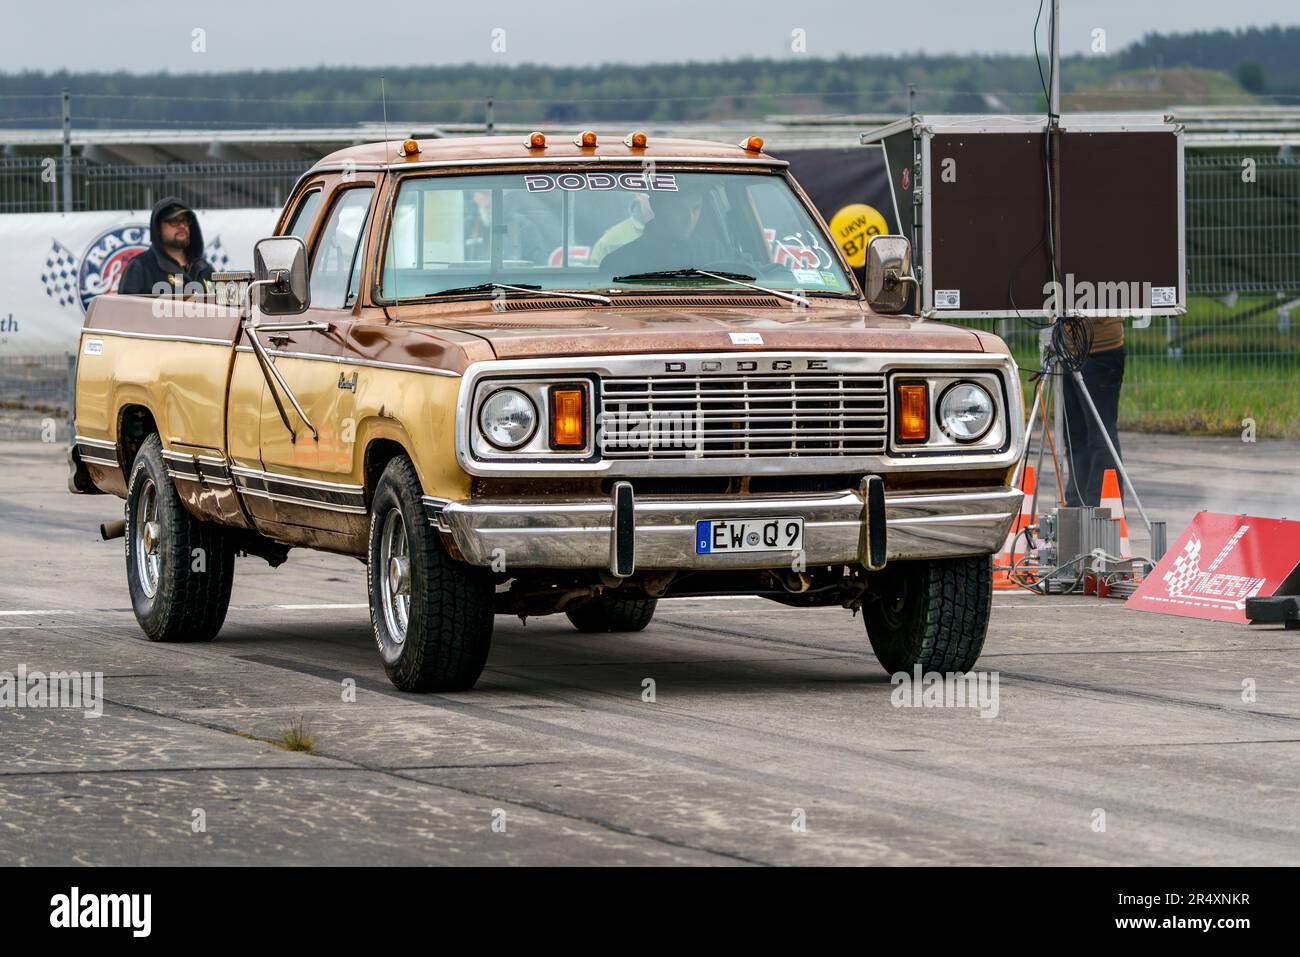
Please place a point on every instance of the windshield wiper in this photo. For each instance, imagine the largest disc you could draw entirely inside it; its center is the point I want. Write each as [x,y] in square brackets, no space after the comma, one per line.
[687,273]
[738,278]
[537,290]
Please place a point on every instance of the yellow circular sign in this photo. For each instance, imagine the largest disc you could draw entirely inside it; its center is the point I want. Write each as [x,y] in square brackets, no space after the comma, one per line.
[853,226]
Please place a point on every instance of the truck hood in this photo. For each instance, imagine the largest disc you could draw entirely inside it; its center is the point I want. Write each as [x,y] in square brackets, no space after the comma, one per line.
[614,329]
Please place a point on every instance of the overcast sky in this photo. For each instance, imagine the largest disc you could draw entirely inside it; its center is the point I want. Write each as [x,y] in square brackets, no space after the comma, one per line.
[267,34]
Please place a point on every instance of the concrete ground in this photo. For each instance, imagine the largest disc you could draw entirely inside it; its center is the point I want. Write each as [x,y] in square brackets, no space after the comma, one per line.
[764,717]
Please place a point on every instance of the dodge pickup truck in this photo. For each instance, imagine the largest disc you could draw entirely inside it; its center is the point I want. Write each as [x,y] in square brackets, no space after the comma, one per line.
[552,375]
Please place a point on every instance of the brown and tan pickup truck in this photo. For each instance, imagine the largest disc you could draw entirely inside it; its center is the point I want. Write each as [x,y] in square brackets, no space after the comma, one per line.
[556,375]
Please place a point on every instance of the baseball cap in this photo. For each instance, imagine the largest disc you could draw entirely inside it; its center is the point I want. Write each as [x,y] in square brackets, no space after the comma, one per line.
[172,210]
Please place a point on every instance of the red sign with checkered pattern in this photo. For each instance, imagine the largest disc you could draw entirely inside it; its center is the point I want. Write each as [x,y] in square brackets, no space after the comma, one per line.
[1217,563]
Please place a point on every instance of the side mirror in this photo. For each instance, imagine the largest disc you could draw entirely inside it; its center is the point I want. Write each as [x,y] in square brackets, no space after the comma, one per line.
[283,261]
[889,273]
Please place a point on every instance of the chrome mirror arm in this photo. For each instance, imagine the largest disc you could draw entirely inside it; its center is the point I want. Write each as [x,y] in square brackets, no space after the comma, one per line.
[269,371]
[894,278]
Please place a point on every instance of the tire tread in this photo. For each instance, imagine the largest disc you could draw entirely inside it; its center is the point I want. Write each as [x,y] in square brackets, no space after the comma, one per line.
[954,600]
[194,604]
[450,626]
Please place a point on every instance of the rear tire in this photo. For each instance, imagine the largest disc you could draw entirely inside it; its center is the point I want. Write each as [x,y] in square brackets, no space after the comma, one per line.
[932,613]
[431,615]
[610,614]
[179,570]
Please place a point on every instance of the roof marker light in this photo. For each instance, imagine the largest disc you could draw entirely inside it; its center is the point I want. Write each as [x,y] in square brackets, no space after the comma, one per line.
[587,138]
[536,141]
[410,148]
[635,140]
[752,144]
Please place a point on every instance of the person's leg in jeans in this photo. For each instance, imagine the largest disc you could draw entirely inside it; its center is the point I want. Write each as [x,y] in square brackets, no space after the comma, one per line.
[1103,374]
[1077,454]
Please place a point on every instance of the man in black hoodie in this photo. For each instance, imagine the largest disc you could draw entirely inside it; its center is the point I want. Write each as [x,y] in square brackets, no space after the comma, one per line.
[174,259]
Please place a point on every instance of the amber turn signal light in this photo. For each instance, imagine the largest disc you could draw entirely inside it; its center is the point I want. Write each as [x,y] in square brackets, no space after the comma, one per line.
[568,417]
[912,412]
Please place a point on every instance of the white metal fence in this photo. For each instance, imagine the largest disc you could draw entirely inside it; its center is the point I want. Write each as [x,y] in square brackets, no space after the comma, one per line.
[32,184]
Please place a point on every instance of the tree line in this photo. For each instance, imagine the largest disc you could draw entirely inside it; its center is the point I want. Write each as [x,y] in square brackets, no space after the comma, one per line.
[1264,62]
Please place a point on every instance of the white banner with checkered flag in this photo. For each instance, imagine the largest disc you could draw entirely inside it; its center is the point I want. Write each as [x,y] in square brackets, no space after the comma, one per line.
[60,276]
[52,265]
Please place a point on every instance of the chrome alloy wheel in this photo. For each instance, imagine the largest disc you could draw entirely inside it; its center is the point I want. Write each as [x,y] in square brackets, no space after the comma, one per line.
[148,538]
[395,576]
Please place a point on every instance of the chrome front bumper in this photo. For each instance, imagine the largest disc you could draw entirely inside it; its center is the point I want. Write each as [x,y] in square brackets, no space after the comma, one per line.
[658,531]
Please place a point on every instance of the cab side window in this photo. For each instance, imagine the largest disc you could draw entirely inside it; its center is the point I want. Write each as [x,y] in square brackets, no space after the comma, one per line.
[304,216]
[336,267]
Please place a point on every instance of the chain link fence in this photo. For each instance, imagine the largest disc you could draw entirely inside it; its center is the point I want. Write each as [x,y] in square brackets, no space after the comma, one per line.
[1243,225]
[34,184]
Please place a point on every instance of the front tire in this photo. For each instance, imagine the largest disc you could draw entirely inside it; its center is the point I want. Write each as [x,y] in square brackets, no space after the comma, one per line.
[179,570]
[932,613]
[431,615]
[610,614]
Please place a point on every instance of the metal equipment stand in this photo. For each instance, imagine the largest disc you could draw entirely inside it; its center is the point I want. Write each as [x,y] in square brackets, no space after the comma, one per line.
[1051,363]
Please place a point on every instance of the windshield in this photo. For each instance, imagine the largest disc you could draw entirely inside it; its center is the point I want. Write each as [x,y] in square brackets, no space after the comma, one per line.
[586,230]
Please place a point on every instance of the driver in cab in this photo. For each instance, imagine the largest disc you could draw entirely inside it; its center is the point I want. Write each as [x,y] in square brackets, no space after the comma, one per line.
[670,240]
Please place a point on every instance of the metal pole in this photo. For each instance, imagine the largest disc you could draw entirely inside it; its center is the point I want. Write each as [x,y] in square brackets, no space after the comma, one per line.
[1063,458]
[489,125]
[1053,114]
[1054,105]
[67,151]
[1054,403]
[911,99]
[1114,453]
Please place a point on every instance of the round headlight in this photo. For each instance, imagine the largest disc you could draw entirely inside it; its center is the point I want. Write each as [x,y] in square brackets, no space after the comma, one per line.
[508,418]
[966,412]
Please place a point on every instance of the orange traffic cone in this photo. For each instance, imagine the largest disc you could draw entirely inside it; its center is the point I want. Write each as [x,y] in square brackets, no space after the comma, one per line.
[1110,498]
[1001,579]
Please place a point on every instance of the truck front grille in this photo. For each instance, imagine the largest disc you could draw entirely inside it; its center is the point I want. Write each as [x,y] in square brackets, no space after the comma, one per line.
[736,416]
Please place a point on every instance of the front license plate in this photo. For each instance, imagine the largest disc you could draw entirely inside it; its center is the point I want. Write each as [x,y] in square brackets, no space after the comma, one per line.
[748,535]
